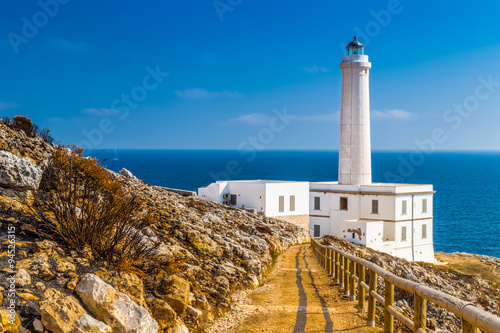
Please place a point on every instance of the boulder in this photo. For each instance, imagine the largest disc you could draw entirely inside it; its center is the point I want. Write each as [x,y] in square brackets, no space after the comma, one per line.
[18,173]
[163,313]
[89,324]
[63,314]
[113,307]
[178,296]
[38,265]
[203,243]
[9,321]
[129,284]
[38,326]
[180,327]
[22,278]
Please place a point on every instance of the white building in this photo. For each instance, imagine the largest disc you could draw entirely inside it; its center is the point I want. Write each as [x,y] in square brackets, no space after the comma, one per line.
[284,200]
[392,218]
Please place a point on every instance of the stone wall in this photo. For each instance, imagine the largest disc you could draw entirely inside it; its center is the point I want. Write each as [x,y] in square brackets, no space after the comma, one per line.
[299,220]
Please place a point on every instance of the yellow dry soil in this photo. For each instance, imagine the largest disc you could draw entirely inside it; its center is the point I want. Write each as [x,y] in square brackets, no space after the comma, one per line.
[301,297]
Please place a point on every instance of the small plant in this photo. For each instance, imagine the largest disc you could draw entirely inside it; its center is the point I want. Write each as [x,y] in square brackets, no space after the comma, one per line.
[82,204]
[275,256]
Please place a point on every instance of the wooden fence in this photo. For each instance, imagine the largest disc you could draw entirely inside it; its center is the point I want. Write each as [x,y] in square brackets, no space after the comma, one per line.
[350,271]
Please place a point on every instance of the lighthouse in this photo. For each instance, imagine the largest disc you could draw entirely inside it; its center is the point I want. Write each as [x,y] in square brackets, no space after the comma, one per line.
[355,147]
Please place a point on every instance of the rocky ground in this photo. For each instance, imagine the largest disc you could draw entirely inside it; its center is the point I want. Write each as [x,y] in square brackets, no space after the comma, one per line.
[444,276]
[46,286]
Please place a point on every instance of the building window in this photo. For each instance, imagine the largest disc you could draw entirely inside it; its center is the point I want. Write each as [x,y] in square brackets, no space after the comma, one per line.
[234,198]
[424,205]
[292,203]
[374,206]
[282,204]
[403,234]
[316,203]
[353,235]
[424,231]
[317,230]
[343,203]
[405,207]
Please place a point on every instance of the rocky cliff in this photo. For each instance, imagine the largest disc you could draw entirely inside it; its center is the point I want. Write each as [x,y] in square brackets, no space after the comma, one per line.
[207,250]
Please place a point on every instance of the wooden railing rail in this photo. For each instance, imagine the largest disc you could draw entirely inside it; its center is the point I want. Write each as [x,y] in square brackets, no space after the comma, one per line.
[350,271]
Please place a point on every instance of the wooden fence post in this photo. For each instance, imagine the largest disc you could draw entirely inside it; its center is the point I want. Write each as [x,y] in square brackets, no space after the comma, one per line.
[420,320]
[389,301]
[372,303]
[336,267]
[468,328]
[341,274]
[352,289]
[330,262]
[346,276]
[361,290]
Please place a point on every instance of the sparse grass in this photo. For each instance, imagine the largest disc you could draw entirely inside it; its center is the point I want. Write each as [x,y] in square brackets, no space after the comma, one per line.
[467,265]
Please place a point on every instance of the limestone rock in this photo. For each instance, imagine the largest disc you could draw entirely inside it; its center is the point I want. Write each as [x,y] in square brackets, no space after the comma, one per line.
[114,308]
[178,296]
[163,313]
[129,284]
[204,243]
[89,324]
[38,326]
[18,173]
[38,265]
[193,312]
[23,278]
[127,174]
[9,321]
[59,311]
[180,327]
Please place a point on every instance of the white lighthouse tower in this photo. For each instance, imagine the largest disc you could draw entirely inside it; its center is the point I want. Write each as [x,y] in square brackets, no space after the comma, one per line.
[355,149]
[392,218]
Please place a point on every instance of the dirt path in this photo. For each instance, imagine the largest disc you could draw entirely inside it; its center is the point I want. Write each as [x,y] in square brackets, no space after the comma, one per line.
[301,297]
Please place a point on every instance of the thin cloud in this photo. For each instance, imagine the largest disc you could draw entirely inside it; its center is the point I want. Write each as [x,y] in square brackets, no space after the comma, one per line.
[197,93]
[315,69]
[7,106]
[335,116]
[101,112]
[252,119]
[391,114]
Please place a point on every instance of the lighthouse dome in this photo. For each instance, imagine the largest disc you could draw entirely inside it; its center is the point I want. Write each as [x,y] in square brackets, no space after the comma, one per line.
[355,47]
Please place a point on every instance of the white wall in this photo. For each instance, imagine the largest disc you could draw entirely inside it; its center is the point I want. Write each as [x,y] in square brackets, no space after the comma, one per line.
[249,195]
[324,223]
[386,207]
[212,192]
[287,189]
[367,233]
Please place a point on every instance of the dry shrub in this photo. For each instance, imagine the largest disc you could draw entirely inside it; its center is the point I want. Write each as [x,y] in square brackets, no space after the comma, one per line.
[25,124]
[81,203]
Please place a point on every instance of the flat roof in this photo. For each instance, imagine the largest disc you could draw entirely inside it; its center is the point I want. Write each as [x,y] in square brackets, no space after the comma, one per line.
[372,184]
[261,181]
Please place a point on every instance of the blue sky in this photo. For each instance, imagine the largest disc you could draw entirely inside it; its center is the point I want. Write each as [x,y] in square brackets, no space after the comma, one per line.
[222,74]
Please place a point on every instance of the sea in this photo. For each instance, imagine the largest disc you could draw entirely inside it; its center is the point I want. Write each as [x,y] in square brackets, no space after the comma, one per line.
[467,184]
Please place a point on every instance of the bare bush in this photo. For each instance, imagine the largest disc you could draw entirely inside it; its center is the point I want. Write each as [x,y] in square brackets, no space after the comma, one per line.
[80,202]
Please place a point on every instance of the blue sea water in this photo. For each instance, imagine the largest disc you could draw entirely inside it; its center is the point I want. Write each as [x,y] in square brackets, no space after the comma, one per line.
[466,205]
